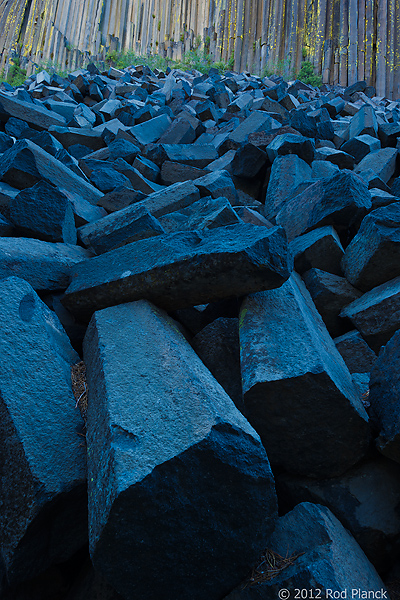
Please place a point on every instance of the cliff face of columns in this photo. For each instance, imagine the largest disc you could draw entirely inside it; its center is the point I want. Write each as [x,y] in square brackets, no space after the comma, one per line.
[346,40]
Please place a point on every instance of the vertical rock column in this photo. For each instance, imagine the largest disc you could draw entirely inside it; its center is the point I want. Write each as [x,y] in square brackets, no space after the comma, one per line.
[181,496]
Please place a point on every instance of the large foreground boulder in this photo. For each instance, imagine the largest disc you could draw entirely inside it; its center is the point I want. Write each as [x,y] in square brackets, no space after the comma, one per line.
[42,462]
[179,484]
[298,392]
[322,559]
[384,397]
[182,269]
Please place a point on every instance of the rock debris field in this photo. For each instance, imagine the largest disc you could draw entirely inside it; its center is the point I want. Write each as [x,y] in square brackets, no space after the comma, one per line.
[200,315]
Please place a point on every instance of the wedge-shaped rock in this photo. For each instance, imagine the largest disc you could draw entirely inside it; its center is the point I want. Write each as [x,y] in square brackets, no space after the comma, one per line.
[364,499]
[217,184]
[326,559]
[373,255]
[364,122]
[45,265]
[341,201]
[182,269]
[168,452]
[385,398]
[206,213]
[122,227]
[190,154]
[330,294]
[33,114]
[44,213]
[25,164]
[376,314]
[298,392]
[286,174]
[320,249]
[176,196]
[43,472]
[355,351]
[382,162]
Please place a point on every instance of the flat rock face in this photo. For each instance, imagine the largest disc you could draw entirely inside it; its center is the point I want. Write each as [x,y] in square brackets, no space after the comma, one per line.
[340,201]
[355,351]
[328,558]
[291,367]
[182,269]
[376,313]
[46,266]
[25,164]
[372,257]
[42,466]
[167,453]
[364,499]
[384,398]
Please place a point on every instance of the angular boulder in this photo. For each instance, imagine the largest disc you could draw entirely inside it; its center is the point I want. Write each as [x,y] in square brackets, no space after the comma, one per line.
[43,472]
[167,453]
[298,392]
[45,265]
[182,269]
[326,561]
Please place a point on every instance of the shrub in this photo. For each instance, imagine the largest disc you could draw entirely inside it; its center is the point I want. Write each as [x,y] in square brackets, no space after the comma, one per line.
[307,75]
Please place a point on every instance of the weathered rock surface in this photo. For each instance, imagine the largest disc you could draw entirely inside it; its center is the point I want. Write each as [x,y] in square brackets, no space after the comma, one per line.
[376,314]
[206,213]
[325,557]
[355,352]
[42,465]
[182,269]
[384,398]
[44,213]
[340,201]
[318,249]
[46,266]
[181,448]
[291,367]
[373,256]
[364,499]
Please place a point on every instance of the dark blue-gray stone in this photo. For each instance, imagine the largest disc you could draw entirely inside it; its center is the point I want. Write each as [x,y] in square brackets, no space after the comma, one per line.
[327,558]
[46,266]
[385,398]
[298,392]
[179,484]
[341,201]
[122,227]
[42,462]
[182,269]
[373,255]
[43,212]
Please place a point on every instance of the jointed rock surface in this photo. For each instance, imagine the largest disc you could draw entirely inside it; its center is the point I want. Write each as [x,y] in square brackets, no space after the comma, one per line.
[222,253]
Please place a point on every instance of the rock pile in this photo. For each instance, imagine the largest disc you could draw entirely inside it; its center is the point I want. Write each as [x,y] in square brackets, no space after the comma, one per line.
[223,254]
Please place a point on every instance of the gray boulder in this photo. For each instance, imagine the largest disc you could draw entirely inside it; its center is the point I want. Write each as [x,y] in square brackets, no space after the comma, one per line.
[324,557]
[286,174]
[320,249]
[384,398]
[373,255]
[298,392]
[365,500]
[122,227]
[355,352]
[45,265]
[182,269]
[43,212]
[167,453]
[42,484]
[206,213]
[376,314]
[341,201]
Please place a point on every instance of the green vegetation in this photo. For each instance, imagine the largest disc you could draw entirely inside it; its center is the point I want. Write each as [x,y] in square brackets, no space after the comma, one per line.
[281,67]
[15,76]
[196,59]
[307,75]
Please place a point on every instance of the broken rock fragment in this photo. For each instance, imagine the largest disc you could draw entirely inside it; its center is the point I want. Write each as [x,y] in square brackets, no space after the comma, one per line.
[42,464]
[294,381]
[182,269]
[167,452]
